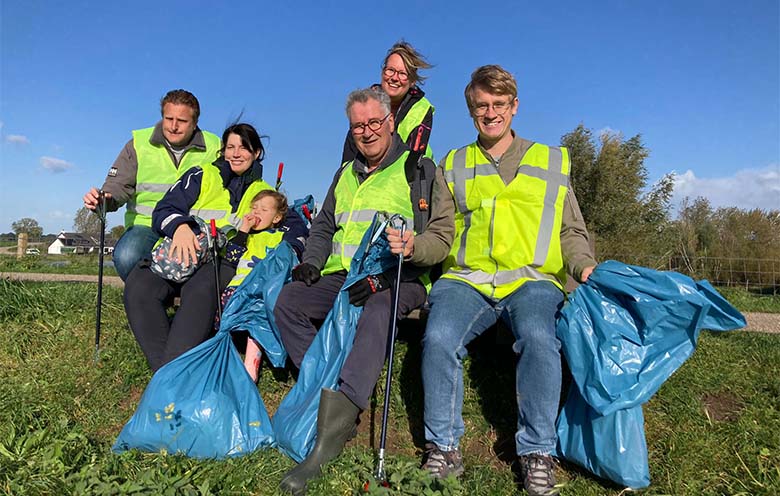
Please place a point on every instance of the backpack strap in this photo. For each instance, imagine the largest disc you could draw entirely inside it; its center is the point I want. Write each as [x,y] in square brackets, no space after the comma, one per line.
[420,174]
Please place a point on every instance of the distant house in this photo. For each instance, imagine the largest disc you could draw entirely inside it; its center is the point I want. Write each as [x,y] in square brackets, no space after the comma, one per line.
[67,243]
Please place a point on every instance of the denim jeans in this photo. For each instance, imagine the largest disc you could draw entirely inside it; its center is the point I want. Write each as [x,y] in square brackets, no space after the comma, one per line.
[459,313]
[136,243]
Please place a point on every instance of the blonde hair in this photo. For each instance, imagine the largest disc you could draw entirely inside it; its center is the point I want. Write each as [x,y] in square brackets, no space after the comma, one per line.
[281,203]
[492,78]
[413,60]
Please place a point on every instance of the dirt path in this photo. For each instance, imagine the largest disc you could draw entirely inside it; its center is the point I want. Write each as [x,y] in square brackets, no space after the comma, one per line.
[756,321]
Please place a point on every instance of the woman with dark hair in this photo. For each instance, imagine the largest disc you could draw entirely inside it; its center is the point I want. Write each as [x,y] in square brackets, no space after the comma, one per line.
[412,112]
[221,191]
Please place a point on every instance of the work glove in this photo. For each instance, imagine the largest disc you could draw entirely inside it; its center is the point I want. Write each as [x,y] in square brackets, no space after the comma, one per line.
[307,273]
[361,290]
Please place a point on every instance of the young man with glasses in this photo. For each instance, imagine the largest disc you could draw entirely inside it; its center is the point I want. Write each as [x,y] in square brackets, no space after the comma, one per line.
[518,229]
[412,112]
[375,180]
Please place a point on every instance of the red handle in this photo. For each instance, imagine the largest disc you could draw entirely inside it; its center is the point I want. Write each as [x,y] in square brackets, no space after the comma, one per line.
[306,211]
[213,228]
[279,172]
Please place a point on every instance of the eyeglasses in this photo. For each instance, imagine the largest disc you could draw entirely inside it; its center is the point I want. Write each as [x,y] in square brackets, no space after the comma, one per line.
[499,108]
[374,125]
[390,72]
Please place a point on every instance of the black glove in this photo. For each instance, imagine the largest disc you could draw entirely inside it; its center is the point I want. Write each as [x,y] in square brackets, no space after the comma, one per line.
[361,290]
[307,273]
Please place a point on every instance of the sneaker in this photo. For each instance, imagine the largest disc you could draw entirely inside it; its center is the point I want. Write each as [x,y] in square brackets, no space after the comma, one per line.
[440,464]
[538,473]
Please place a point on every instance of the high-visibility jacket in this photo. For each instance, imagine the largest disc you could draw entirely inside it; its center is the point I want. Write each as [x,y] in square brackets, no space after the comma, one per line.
[507,234]
[214,200]
[156,173]
[411,120]
[257,245]
[356,203]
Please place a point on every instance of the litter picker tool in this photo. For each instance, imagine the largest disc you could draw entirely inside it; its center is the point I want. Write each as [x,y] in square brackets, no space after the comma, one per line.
[279,176]
[215,260]
[380,466]
[101,212]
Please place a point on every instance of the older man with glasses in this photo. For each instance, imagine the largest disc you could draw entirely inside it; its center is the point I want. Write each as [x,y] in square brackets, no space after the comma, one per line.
[375,180]
[518,230]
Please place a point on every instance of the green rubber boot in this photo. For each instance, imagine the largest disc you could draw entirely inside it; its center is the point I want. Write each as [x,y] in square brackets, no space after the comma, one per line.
[336,424]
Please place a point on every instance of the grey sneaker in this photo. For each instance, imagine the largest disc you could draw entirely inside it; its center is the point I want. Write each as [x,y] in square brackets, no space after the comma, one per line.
[538,473]
[440,464]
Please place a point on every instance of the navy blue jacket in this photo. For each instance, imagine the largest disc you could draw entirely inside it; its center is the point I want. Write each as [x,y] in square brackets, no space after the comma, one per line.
[174,208]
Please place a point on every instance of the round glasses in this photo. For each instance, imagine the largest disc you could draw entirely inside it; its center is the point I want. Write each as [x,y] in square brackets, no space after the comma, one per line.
[374,125]
[499,108]
[390,72]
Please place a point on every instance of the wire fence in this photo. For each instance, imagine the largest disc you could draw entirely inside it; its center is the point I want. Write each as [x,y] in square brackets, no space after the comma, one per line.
[756,274]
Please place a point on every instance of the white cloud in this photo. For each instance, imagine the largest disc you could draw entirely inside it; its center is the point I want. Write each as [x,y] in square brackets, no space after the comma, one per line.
[745,189]
[18,139]
[55,165]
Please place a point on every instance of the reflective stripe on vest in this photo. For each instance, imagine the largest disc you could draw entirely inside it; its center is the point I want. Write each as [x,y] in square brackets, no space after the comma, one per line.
[507,234]
[156,173]
[214,200]
[258,245]
[356,204]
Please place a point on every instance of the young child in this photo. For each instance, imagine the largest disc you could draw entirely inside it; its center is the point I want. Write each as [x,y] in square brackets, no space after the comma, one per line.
[255,238]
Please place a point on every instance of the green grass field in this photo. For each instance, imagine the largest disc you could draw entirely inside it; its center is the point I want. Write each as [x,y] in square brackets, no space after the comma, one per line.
[713,428]
[56,264]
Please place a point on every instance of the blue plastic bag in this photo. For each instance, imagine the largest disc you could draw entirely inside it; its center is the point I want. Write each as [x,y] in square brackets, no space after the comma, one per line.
[295,421]
[203,404]
[623,334]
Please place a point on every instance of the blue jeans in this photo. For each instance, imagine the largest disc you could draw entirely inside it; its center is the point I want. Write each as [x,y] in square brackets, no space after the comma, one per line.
[136,243]
[459,313]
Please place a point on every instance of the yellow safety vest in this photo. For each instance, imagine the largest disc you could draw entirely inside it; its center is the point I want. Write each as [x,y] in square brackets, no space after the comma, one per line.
[214,200]
[156,173]
[414,118]
[258,245]
[507,234]
[356,204]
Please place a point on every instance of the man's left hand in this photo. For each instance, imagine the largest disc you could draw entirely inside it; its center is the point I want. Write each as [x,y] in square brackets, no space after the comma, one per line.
[361,290]
[586,273]
[397,244]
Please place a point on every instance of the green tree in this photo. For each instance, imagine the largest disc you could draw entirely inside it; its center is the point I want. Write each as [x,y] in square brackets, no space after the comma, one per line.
[117,231]
[609,178]
[86,222]
[29,226]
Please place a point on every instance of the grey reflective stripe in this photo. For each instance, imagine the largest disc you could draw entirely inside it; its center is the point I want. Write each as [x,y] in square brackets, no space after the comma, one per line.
[341,218]
[235,220]
[459,174]
[349,250]
[362,215]
[554,179]
[503,276]
[140,209]
[168,220]
[207,214]
[462,248]
[244,264]
[152,187]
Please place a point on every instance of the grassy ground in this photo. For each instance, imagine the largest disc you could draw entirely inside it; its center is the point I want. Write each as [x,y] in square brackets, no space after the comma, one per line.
[713,428]
[57,264]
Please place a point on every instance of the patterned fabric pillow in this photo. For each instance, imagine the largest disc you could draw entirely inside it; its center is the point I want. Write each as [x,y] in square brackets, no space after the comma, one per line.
[168,268]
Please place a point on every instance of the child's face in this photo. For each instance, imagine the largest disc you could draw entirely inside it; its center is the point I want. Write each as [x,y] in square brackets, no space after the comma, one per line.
[266,213]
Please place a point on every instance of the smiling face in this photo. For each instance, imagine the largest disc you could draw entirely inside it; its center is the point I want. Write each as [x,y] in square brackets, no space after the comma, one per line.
[266,213]
[178,123]
[237,155]
[395,78]
[374,145]
[493,127]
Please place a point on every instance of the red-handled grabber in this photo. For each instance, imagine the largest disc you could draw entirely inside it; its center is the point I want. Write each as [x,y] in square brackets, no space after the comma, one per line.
[279,176]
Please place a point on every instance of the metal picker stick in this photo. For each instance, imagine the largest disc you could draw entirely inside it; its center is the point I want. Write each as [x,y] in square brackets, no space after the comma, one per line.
[101,211]
[215,255]
[380,466]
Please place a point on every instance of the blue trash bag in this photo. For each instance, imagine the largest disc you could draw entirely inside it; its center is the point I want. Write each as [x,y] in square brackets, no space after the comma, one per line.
[306,208]
[250,308]
[295,421]
[623,334]
[203,404]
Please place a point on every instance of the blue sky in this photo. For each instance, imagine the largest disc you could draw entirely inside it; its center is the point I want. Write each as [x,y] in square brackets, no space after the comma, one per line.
[699,80]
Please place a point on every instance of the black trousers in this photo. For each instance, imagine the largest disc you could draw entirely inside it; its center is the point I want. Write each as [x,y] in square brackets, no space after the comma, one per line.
[299,306]
[147,297]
